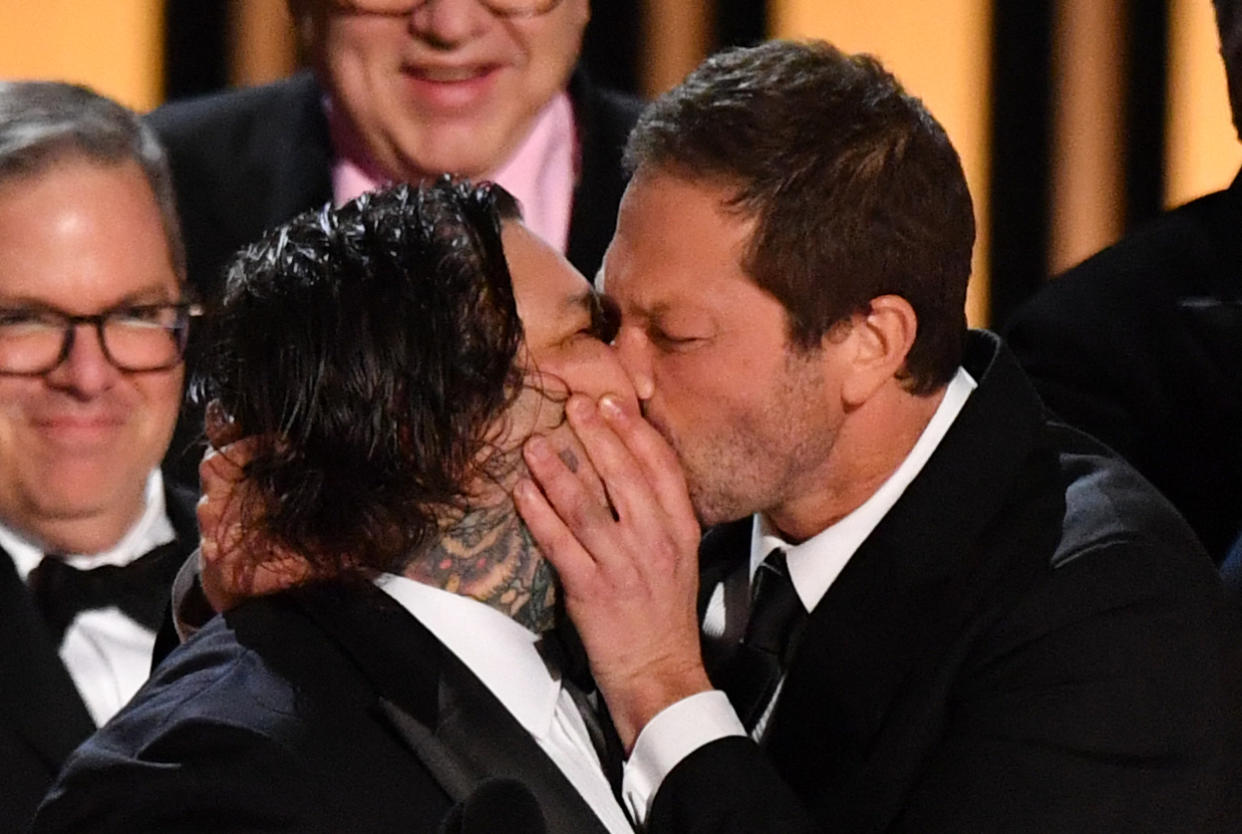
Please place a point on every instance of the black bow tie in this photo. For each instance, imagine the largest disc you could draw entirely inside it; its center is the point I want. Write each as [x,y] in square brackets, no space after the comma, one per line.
[140,589]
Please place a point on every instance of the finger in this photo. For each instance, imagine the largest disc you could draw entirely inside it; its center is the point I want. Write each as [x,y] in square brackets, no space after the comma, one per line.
[583,514]
[574,565]
[570,450]
[623,477]
[659,464]
[219,426]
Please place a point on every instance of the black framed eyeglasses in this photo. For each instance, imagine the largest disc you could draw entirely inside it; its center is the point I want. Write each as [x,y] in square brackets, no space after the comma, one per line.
[500,8]
[136,337]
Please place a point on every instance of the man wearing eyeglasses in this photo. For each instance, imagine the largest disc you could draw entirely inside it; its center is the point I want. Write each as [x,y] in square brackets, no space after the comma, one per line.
[93,323]
[401,91]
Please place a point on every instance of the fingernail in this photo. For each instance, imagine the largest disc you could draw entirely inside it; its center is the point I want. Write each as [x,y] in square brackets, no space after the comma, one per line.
[524,490]
[609,406]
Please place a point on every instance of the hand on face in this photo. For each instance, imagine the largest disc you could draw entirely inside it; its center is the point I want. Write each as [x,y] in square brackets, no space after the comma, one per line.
[630,573]
[234,562]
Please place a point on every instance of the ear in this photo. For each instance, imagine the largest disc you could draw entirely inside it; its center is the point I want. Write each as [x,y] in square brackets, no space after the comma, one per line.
[877,343]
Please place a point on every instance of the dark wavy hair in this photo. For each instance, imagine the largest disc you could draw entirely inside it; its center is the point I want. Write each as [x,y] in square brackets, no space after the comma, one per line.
[370,350]
[855,189]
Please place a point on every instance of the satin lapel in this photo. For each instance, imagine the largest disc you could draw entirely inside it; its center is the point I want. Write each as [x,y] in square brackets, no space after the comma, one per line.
[477,727]
[723,548]
[441,711]
[859,690]
[38,698]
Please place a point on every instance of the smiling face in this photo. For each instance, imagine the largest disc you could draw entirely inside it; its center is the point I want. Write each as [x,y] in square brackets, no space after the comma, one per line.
[448,87]
[752,420]
[77,443]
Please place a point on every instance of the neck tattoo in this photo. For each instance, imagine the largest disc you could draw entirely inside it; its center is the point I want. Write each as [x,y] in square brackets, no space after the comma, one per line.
[488,555]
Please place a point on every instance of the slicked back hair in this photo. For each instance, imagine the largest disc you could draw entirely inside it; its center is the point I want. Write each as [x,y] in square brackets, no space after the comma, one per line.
[369,350]
[1229,25]
[43,123]
[855,189]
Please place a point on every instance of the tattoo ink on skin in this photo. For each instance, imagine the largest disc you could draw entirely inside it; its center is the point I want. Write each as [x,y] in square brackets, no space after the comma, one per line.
[489,555]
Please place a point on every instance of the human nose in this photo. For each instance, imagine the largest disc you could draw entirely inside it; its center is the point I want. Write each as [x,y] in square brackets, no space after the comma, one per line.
[448,23]
[86,370]
[634,352]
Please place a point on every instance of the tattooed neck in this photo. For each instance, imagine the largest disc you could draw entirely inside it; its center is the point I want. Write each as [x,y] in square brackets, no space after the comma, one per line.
[488,555]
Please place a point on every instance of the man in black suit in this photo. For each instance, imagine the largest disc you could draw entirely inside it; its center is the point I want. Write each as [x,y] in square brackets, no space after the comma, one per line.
[93,320]
[1139,344]
[930,606]
[374,360]
[402,91]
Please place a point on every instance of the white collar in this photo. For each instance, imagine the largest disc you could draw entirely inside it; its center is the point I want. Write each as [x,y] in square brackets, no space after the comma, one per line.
[817,562]
[499,651]
[150,530]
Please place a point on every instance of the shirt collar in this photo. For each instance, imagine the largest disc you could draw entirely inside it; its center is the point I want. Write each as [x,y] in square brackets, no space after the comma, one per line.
[152,528]
[815,563]
[541,173]
[500,652]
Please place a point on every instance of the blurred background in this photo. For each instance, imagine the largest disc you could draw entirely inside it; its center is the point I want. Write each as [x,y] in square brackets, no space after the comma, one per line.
[1075,119]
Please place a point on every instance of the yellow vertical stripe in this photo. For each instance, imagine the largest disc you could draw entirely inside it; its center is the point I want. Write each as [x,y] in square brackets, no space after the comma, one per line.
[115,47]
[1088,176]
[676,36]
[941,52]
[1202,148]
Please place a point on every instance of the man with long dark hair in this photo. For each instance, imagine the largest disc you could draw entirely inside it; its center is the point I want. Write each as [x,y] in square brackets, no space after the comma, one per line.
[386,360]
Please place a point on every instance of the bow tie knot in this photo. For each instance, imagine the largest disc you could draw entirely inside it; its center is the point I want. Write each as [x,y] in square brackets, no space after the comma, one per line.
[140,589]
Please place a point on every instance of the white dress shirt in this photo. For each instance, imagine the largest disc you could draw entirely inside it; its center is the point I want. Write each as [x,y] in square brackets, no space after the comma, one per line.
[503,655]
[108,655]
[814,565]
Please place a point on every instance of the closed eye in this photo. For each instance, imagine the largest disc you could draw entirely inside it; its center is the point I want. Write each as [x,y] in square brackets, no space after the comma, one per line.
[605,319]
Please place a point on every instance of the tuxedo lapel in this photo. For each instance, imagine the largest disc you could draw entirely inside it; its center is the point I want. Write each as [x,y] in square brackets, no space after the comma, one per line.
[451,722]
[724,548]
[38,699]
[483,733]
[875,647]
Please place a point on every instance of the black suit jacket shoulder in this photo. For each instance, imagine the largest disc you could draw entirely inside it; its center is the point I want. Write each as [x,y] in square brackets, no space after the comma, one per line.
[323,709]
[42,716]
[1138,346]
[1030,640]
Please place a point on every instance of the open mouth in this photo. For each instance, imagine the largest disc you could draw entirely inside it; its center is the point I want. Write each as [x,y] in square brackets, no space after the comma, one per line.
[450,75]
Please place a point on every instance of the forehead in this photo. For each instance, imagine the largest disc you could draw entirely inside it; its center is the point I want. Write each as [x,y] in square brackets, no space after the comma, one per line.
[80,235]
[547,288]
[678,245]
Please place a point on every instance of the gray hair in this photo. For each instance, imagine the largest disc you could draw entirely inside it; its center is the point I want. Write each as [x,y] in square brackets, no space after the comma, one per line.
[45,122]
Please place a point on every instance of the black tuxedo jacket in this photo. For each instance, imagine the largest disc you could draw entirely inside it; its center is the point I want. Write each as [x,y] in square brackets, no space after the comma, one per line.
[1030,640]
[247,160]
[322,709]
[42,716]
[1139,346]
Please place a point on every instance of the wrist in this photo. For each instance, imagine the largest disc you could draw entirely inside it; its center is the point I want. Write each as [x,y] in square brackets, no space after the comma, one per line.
[636,699]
